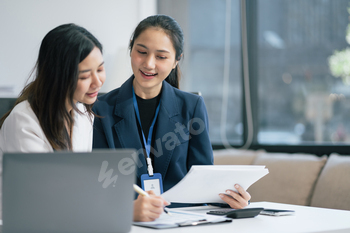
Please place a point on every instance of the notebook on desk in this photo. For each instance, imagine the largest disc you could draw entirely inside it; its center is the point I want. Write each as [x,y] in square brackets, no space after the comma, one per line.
[68,192]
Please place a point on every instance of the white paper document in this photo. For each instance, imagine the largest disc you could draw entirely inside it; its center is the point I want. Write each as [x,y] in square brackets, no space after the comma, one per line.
[203,183]
[179,218]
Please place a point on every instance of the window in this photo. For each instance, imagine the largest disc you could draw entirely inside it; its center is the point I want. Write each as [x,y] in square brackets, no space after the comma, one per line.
[300,101]
[212,61]
[299,83]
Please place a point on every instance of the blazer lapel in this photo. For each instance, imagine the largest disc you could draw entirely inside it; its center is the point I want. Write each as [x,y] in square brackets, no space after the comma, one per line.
[165,127]
[126,127]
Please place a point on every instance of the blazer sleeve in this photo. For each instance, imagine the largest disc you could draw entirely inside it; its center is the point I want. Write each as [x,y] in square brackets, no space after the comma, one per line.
[99,139]
[200,151]
[21,132]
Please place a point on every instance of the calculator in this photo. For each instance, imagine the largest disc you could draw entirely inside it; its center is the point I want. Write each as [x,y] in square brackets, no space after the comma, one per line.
[237,213]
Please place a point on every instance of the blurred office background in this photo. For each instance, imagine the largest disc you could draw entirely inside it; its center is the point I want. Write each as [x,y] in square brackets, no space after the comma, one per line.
[297,69]
[23,24]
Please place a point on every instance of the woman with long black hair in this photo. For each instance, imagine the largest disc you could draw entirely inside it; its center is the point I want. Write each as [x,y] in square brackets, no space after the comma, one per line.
[168,127]
[53,112]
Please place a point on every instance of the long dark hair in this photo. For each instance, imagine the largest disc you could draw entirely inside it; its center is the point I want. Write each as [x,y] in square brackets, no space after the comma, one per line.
[56,77]
[173,30]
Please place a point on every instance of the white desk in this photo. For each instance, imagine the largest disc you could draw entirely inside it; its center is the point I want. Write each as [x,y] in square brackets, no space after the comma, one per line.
[306,219]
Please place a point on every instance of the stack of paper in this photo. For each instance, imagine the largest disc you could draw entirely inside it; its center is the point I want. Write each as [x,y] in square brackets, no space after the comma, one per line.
[202,184]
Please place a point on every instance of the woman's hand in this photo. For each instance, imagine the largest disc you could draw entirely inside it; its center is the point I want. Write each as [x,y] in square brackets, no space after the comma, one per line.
[236,200]
[149,208]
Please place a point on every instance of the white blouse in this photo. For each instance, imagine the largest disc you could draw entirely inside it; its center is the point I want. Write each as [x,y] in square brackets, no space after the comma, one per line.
[21,131]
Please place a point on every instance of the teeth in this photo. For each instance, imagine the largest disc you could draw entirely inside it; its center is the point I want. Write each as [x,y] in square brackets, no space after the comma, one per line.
[148,74]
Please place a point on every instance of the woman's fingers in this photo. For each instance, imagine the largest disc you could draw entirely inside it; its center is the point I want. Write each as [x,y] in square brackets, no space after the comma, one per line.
[242,192]
[236,200]
[148,208]
[151,193]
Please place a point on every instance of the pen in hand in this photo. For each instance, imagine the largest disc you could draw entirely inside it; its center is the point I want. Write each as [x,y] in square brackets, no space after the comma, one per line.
[143,193]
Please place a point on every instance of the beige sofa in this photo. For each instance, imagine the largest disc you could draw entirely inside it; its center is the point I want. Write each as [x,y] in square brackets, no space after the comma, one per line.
[302,179]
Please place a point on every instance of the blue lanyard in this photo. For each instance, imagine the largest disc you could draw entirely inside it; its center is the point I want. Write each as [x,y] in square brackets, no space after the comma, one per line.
[150,132]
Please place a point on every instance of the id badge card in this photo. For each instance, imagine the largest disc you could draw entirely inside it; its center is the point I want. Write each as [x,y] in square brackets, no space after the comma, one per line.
[153,183]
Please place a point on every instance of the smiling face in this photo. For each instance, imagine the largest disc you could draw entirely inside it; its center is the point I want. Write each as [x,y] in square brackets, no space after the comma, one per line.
[152,59]
[91,78]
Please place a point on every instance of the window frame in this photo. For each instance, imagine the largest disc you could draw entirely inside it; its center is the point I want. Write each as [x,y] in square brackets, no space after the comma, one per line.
[251,18]
[251,8]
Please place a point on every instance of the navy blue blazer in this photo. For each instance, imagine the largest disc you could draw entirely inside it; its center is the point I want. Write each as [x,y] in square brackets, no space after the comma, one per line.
[181,137]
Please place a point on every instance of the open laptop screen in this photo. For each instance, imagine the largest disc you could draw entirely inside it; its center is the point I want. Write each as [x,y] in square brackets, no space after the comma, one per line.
[68,192]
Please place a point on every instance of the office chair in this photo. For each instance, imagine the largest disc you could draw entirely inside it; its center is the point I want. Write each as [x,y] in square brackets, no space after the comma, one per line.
[6,104]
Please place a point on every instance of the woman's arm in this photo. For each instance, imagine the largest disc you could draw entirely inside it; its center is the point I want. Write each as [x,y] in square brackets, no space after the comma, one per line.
[200,151]
[99,137]
[21,132]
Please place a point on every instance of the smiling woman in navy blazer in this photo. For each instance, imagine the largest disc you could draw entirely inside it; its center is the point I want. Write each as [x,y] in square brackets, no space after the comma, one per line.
[172,144]
[150,97]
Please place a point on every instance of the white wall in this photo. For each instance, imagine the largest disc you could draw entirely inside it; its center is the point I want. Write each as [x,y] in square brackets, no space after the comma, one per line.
[24,23]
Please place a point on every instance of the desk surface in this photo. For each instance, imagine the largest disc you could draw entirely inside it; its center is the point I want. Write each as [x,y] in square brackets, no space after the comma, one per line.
[306,219]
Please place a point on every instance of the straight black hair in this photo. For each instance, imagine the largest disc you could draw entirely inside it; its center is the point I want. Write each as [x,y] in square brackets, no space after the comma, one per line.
[173,30]
[56,77]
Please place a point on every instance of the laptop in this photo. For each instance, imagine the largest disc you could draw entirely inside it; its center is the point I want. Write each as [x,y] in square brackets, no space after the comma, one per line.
[68,192]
